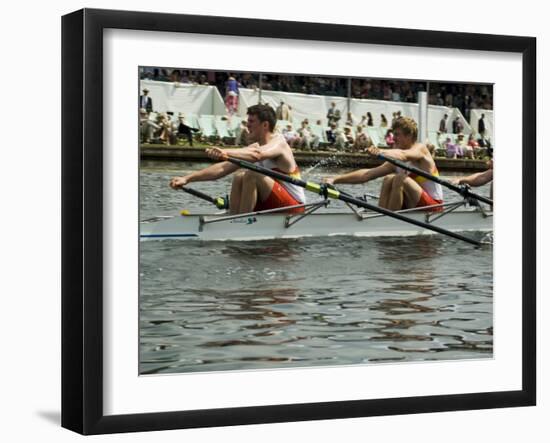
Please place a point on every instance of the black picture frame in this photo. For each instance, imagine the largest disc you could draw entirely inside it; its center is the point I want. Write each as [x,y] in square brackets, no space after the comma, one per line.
[82,218]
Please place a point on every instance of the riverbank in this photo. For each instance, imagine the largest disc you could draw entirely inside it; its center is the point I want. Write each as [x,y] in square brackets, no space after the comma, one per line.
[327,158]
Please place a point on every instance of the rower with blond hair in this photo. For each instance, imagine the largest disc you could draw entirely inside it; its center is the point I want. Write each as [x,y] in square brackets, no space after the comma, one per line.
[401,189]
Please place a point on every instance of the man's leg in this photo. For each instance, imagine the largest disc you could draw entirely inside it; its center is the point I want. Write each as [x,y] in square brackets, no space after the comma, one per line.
[340,142]
[150,132]
[412,192]
[236,191]
[386,191]
[316,142]
[405,193]
[255,187]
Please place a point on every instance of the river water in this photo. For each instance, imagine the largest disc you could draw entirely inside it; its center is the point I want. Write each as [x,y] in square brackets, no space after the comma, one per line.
[217,306]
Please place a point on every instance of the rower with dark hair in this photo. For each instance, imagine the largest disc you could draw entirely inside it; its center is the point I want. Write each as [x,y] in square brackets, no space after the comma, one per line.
[401,189]
[251,191]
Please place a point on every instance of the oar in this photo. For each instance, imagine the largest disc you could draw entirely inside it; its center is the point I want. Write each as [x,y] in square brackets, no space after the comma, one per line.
[461,189]
[220,202]
[335,194]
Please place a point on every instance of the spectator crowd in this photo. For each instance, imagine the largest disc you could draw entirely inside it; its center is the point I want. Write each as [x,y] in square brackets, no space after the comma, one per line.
[461,96]
[341,132]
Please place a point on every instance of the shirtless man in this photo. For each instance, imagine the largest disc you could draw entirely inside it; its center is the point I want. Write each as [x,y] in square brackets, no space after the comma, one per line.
[400,189]
[251,191]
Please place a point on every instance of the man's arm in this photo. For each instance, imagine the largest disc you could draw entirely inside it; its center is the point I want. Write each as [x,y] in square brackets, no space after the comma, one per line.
[416,152]
[213,172]
[362,175]
[478,179]
[252,153]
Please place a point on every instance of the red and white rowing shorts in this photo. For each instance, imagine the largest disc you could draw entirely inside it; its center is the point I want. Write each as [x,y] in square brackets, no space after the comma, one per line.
[427,200]
[278,198]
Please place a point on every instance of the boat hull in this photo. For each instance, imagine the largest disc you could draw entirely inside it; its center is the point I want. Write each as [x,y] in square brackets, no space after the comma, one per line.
[269,226]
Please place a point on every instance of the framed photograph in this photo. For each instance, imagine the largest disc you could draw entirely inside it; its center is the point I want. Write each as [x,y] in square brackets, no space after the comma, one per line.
[270,221]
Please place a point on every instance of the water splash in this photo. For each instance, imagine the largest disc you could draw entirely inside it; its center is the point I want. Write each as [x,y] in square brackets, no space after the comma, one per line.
[333,160]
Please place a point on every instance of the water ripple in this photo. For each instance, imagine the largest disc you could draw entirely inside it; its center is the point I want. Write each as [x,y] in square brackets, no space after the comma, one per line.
[216,306]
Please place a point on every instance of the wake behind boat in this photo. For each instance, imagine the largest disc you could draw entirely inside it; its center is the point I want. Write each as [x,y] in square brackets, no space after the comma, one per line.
[276,224]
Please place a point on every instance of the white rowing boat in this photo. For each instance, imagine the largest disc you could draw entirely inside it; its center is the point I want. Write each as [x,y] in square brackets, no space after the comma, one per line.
[274,224]
[368,221]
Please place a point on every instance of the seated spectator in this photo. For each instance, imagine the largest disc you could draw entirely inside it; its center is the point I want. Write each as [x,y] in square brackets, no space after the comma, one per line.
[162,130]
[165,132]
[340,142]
[362,140]
[441,140]
[386,92]
[174,76]
[202,80]
[306,139]
[396,96]
[484,142]
[472,142]
[451,148]
[389,138]
[348,135]
[242,134]
[184,130]
[467,150]
[147,128]
[331,134]
[290,135]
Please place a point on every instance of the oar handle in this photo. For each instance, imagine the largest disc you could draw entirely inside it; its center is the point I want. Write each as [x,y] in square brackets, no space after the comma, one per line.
[220,202]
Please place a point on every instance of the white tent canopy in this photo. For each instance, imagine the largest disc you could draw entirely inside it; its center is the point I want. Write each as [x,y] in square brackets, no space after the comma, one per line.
[315,107]
[183,97]
[206,100]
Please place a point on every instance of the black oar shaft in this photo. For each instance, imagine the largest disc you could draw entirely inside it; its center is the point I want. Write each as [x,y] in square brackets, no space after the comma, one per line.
[464,191]
[333,193]
[199,194]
